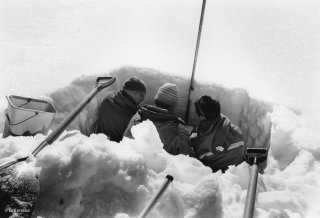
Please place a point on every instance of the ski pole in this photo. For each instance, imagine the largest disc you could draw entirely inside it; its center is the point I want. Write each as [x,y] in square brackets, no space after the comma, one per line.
[191,88]
[255,157]
[156,197]
[101,83]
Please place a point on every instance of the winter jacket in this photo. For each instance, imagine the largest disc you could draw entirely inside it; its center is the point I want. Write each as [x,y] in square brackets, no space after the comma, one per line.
[172,130]
[219,143]
[114,114]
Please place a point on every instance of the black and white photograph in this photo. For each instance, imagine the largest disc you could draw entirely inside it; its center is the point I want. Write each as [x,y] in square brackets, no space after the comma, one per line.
[159,109]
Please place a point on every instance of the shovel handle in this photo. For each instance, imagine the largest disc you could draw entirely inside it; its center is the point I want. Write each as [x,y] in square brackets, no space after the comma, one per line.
[105,81]
[156,197]
[10,163]
[251,193]
[102,82]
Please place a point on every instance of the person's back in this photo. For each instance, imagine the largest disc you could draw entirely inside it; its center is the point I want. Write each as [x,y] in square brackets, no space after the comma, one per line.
[117,108]
[172,130]
[218,143]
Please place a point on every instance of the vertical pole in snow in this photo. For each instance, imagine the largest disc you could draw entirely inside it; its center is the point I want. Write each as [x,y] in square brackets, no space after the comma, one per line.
[191,88]
[156,197]
[255,156]
[251,194]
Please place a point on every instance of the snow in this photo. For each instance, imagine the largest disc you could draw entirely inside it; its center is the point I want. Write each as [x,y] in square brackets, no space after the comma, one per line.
[86,175]
[273,53]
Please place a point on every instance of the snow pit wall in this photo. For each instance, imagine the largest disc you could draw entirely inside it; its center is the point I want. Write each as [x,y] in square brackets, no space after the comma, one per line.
[251,115]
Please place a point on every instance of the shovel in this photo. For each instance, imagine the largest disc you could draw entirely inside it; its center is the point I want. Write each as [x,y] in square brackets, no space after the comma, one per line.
[255,156]
[29,186]
[101,83]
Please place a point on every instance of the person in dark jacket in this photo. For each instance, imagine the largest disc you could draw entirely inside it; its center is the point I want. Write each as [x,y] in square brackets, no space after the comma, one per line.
[172,130]
[117,109]
[218,143]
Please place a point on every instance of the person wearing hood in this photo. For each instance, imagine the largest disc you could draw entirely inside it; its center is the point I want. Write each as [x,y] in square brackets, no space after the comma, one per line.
[217,143]
[172,130]
[117,109]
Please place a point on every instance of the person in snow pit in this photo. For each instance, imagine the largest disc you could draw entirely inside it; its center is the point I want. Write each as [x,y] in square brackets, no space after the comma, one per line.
[117,109]
[217,142]
[172,130]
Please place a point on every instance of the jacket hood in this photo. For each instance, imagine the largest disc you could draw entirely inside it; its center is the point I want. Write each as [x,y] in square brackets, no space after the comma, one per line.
[154,113]
[124,100]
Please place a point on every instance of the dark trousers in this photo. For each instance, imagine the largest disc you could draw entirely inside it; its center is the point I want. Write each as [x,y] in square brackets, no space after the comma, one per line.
[221,160]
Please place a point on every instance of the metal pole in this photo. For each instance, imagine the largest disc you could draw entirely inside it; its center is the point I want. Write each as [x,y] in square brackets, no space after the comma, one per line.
[252,188]
[156,197]
[191,88]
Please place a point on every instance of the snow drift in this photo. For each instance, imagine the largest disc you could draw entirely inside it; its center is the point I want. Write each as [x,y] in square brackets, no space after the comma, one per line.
[86,175]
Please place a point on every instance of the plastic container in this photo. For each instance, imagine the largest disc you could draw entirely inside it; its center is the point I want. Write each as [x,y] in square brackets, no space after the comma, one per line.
[27,116]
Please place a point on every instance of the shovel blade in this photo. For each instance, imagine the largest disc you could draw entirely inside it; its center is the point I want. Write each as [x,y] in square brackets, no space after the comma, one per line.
[257,152]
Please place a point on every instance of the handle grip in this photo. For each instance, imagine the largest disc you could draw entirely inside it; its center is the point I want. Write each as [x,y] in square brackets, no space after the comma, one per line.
[103,82]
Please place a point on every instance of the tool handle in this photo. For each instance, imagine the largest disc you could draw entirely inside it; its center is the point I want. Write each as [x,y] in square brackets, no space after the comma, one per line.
[103,82]
[251,194]
[10,163]
[156,197]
